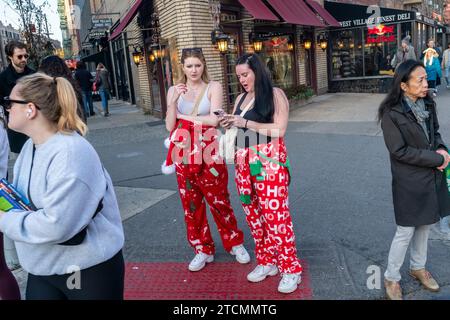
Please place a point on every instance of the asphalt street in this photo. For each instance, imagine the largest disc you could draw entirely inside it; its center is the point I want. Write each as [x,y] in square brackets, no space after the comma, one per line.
[340,196]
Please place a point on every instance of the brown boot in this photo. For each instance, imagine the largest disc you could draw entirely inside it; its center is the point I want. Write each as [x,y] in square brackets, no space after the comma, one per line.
[393,290]
[425,278]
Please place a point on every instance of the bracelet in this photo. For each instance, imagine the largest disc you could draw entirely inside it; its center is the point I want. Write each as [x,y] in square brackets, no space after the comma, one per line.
[246,124]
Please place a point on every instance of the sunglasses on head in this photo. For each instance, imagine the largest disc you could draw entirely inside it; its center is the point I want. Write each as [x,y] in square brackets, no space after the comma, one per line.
[7,103]
[191,50]
[21,56]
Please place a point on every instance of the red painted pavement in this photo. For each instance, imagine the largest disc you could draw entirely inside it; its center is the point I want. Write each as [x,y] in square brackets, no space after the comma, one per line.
[217,281]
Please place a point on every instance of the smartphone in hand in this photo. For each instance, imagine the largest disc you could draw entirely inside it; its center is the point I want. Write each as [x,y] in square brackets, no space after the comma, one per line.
[220,113]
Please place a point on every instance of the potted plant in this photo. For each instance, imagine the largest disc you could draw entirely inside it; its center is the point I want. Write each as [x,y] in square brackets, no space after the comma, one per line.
[299,96]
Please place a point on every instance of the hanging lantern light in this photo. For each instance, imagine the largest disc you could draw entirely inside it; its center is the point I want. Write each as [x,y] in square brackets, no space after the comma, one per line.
[307,44]
[152,58]
[220,39]
[136,56]
[257,45]
[222,43]
[322,41]
[156,51]
[290,45]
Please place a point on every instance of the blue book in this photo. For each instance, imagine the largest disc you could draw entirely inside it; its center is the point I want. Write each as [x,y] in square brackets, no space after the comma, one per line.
[14,192]
[7,203]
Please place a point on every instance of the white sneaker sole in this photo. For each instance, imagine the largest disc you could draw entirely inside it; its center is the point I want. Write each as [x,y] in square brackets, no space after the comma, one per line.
[241,261]
[200,267]
[272,273]
[290,290]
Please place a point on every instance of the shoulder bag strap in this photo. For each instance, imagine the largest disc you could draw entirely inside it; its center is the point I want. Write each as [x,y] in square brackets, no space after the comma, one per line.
[199,99]
[247,107]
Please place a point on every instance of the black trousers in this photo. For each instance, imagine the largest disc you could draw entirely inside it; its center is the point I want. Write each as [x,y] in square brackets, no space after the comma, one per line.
[104,281]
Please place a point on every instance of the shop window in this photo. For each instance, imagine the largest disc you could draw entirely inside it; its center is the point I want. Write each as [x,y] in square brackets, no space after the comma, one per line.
[379,49]
[347,54]
[279,60]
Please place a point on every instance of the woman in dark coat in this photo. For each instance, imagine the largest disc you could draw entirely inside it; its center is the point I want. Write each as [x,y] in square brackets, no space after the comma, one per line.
[418,158]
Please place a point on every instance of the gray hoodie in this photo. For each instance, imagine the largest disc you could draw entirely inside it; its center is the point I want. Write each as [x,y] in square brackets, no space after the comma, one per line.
[67,183]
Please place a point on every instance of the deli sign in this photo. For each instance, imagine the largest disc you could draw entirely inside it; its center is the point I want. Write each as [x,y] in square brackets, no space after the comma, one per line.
[352,15]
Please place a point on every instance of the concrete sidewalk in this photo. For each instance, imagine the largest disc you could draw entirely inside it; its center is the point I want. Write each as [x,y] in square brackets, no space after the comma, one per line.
[121,114]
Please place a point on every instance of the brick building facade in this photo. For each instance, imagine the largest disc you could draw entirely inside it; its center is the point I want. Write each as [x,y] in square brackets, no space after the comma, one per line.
[189,23]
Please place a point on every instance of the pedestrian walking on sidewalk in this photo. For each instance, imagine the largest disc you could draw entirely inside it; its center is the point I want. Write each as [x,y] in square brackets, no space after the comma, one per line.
[85,81]
[405,52]
[433,69]
[418,157]
[54,66]
[71,242]
[201,175]
[446,65]
[103,85]
[262,172]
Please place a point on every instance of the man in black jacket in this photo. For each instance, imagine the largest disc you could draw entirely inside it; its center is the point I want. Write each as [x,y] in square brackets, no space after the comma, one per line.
[17,54]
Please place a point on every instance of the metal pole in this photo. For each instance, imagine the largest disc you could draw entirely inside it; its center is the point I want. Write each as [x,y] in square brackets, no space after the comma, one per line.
[113,64]
[126,66]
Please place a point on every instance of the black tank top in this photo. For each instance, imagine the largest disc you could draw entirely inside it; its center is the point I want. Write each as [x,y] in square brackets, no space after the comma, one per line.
[247,138]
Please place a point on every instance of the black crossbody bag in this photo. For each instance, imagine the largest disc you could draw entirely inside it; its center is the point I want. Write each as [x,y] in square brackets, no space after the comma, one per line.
[80,236]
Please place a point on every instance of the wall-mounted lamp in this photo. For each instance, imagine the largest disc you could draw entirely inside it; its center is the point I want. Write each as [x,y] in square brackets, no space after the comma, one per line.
[256,42]
[322,41]
[137,54]
[290,45]
[257,45]
[307,43]
[221,40]
[157,51]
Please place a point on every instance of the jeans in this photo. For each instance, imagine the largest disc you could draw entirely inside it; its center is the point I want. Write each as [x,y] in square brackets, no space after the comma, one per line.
[400,243]
[447,72]
[87,103]
[104,94]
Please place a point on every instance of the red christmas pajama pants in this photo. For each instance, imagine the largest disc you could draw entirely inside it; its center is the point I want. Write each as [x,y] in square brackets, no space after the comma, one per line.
[264,198]
[211,183]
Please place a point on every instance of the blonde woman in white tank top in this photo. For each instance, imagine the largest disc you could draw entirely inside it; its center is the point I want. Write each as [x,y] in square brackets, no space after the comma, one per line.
[209,179]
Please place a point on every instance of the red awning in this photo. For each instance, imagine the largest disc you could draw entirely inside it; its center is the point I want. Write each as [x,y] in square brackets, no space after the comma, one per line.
[126,20]
[321,11]
[258,10]
[296,12]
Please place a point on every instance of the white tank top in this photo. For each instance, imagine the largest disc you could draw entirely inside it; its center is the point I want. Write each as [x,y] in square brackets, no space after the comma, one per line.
[186,107]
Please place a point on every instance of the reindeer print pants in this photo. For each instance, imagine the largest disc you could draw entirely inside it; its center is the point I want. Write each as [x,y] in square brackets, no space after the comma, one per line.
[207,182]
[262,185]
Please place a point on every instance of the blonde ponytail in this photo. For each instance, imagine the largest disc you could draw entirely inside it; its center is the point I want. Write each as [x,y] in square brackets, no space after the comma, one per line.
[56,98]
[69,119]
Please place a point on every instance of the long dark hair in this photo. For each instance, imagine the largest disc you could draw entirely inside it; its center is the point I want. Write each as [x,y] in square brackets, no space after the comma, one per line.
[394,96]
[264,105]
[54,66]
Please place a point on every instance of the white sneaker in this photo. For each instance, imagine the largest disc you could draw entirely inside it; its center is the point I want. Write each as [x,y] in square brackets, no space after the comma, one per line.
[289,282]
[199,261]
[261,272]
[241,254]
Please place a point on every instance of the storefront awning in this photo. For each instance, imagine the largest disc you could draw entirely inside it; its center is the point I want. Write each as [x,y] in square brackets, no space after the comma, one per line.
[355,15]
[258,10]
[321,11]
[126,20]
[296,12]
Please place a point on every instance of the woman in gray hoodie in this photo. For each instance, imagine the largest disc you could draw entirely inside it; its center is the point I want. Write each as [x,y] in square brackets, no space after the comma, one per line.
[70,241]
